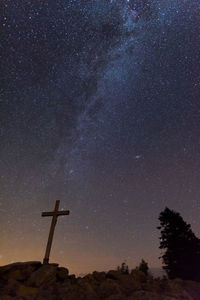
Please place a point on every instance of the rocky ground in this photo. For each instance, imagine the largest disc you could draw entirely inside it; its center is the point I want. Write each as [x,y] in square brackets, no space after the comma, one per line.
[34,281]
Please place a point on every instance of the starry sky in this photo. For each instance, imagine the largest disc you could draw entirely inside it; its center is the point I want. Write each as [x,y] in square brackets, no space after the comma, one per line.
[99,107]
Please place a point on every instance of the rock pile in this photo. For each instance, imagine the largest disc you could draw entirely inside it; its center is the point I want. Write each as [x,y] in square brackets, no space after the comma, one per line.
[30,280]
[34,281]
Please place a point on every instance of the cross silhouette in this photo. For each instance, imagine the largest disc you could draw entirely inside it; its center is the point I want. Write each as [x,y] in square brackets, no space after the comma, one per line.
[55,214]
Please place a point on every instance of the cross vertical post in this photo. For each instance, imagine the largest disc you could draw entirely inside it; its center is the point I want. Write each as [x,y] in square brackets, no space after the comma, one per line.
[55,215]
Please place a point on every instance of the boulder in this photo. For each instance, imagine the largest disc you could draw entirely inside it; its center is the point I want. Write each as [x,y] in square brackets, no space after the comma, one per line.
[62,274]
[10,288]
[146,295]
[18,271]
[6,297]
[46,274]
[116,297]
[26,292]
[34,281]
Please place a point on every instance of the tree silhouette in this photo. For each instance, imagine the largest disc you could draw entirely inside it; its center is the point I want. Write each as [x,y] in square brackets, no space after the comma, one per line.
[124,269]
[143,266]
[182,248]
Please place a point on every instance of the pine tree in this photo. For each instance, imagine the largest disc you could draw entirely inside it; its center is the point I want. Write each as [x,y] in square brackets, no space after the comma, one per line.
[124,269]
[143,266]
[182,248]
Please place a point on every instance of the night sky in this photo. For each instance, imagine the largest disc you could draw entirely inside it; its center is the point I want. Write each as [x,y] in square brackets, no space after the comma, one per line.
[100,108]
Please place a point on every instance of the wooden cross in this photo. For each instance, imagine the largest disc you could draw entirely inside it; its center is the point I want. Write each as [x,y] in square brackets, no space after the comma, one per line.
[55,214]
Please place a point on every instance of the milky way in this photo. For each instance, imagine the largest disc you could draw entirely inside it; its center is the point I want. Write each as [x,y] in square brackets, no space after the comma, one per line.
[99,107]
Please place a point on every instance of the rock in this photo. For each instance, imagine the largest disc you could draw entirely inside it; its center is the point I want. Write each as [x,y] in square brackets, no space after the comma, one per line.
[6,297]
[34,281]
[116,297]
[86,290]
[50,291]
[18,271]
[46,274]
[62,274]
[10,288]
[146,295]
[26,292]
[72,278]
[192,288]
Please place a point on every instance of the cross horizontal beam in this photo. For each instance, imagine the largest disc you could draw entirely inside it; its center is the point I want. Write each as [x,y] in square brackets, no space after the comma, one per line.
[55,213]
